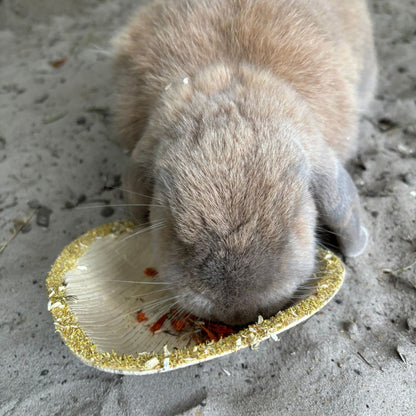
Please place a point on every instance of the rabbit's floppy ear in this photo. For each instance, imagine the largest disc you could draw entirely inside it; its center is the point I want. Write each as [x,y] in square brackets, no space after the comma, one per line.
[339,206]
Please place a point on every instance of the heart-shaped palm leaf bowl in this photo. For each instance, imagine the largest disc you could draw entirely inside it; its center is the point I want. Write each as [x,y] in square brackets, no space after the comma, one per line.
[115,315]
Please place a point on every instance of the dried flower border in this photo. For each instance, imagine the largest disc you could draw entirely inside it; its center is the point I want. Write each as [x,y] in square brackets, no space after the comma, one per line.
[146,362]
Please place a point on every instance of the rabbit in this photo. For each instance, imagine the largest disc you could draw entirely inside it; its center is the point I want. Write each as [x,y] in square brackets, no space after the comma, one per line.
[240,116]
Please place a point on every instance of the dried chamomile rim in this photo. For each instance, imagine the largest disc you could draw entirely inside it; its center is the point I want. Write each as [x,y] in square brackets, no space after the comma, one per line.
[100,289]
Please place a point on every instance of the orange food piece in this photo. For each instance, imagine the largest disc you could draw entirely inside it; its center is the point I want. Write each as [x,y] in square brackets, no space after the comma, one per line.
[208,331]
[141,316]
[159,323]
[150,271]
[58,62]
[178,324]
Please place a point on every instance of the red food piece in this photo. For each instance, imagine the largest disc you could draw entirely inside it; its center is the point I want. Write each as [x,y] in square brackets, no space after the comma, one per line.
[220,329]
[150,271]
[211,335]
[178,324]
[141,317]
[159,323]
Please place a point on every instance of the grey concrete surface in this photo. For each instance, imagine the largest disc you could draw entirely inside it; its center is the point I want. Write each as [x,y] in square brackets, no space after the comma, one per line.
[356,357]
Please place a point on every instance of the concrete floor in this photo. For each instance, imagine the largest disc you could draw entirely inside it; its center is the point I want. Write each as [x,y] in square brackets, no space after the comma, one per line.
[357,357]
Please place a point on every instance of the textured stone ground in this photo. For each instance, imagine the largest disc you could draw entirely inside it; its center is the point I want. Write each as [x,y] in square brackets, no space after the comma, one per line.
[357,357]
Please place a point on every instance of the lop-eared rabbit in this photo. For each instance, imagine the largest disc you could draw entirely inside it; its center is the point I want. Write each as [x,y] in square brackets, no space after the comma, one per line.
[240,115]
